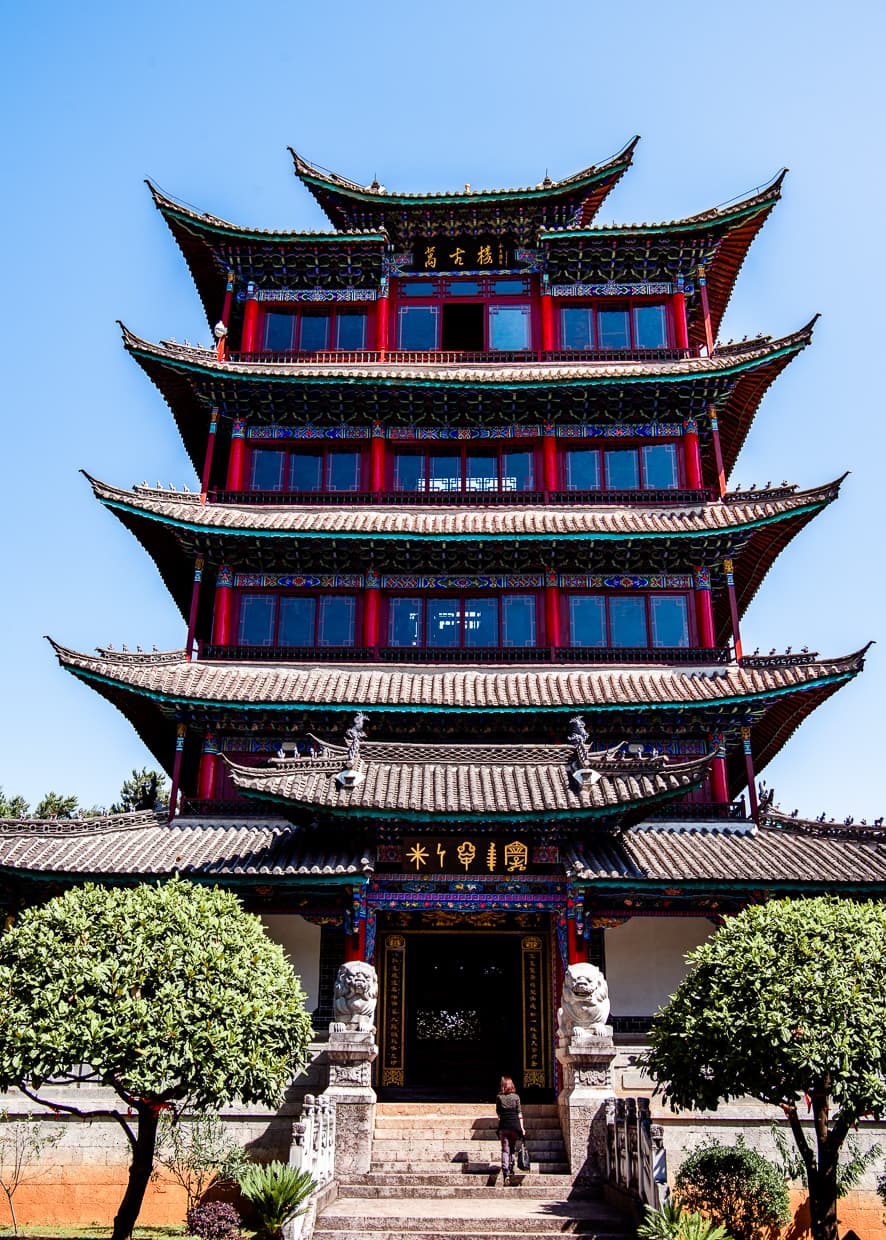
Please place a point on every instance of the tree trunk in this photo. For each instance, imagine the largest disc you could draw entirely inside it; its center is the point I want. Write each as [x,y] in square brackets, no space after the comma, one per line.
[139,1171]
[823,1201]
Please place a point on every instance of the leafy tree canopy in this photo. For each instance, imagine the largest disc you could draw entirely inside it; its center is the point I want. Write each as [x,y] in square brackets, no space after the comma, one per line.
[786,1001]
[171,993]
[144,789]
[13,807]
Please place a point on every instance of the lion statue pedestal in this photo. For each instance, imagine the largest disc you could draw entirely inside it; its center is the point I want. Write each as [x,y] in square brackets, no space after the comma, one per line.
[586,1051]
[350,1052]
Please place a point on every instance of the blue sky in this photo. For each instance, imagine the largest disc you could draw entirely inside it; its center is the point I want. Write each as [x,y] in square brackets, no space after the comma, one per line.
[205,100]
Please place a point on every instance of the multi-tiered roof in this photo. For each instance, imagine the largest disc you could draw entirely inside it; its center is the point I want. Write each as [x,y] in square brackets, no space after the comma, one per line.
[472,734]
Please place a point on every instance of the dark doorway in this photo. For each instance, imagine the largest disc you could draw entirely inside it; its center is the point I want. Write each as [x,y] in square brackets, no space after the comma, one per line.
[463,327]
[463,1015]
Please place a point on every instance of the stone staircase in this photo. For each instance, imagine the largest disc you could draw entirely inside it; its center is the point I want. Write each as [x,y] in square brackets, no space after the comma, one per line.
[435,1175]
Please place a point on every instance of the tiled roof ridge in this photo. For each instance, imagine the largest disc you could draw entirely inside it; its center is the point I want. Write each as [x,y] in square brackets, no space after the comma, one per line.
[780,822]
[767,195]
[305,169]
[166,202]
[724,357]
[135,820]
[153,658]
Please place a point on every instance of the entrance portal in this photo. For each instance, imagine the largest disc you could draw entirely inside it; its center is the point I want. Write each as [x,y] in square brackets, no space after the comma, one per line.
[460,1010]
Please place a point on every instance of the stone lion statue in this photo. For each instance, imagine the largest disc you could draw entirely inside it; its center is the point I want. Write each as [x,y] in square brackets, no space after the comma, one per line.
[356,992]
[585,1002]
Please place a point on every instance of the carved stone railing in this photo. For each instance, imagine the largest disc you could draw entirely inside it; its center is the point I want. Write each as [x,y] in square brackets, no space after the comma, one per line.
[635,1153]
[313,1150]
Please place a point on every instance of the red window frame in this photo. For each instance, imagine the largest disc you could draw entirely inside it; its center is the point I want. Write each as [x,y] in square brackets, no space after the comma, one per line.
[479,447]
[278,595]
[444,291]
[427,596]
[332,310]
[647,595]
[601,447]
[310,447]
[622,303]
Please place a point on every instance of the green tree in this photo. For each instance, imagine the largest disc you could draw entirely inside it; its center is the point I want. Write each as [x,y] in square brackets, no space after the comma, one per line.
[786,1002]
[735,1186]
[55,805]
[145,789]
[22,1143]
[13,807]
[198,1152]
[170,993]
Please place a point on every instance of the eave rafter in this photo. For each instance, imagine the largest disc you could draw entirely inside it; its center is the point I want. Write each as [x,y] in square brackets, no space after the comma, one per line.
[193,381]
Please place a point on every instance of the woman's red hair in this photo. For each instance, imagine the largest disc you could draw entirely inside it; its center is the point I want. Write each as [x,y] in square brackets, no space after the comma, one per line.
[506,1086]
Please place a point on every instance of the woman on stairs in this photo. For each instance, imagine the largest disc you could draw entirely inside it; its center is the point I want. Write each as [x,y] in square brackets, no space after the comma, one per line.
[510,1126]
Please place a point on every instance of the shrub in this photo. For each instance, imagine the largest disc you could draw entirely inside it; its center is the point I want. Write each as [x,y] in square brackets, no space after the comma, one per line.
[672,1222]
[216,1220]
[737,1187]
[276,1192]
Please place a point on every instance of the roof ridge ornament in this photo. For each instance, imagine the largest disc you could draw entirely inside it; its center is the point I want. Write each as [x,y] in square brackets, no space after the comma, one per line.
[353,774]
[581,772]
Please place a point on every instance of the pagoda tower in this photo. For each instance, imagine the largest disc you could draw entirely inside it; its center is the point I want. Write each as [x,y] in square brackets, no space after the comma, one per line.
[462,685]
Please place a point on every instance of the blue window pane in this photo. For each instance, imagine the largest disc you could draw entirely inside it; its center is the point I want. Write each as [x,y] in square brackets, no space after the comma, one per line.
[518,613]
[350,331]
[627,621]
[305,471]
[279,332]
[670,622]
[297,616]
[622,470]
[404,622]
[509,288]
[660,466]
[444,469]
[517,471]
[481,473]
[509,327]
[266,470]
[464,288]
[313,332]
[409,471]
[613,329]
[256,625]
[576,327]
[343,471]
[418,327]
[337,613]
[587,620]
[481,621]
[417,288]
[650,327]
[582,469]
[444,622]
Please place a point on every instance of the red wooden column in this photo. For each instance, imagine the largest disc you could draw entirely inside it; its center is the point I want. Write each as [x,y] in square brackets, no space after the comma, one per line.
[381,325]
[371,595]
[552,610]
[355,927]
[222,613]
[728,569]
[719,785]
[718,451]
[749,770]
[547,322]
[195,603]
[692,455]
[237,458]
[221,327]
[208,764]
[177,768]
[250,321]
[576,949]
[678,308]
[705,310]
[704,608]
[207,460]
[550,480]
[377,459]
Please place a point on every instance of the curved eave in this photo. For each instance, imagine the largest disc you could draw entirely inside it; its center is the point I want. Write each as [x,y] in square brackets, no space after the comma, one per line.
[173,531]
[150,690]
[730,229]
[198,236]
[339,197]
[187,377]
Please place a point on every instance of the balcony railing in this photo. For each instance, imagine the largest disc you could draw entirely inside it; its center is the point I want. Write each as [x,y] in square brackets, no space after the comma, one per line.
[666,655]
[456,357]
[477,498]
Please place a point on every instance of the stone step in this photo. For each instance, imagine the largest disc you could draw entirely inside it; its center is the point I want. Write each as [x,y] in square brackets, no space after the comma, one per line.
[390,1129]
[477,1229]
[458,1108]
[513,1217]
[487,1120]
[450,1141]
[490,1190]
[418,1167]
[465,1176]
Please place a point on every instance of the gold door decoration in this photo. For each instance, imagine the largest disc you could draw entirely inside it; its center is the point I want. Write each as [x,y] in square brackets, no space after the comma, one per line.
[535,1026]
[393,982]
